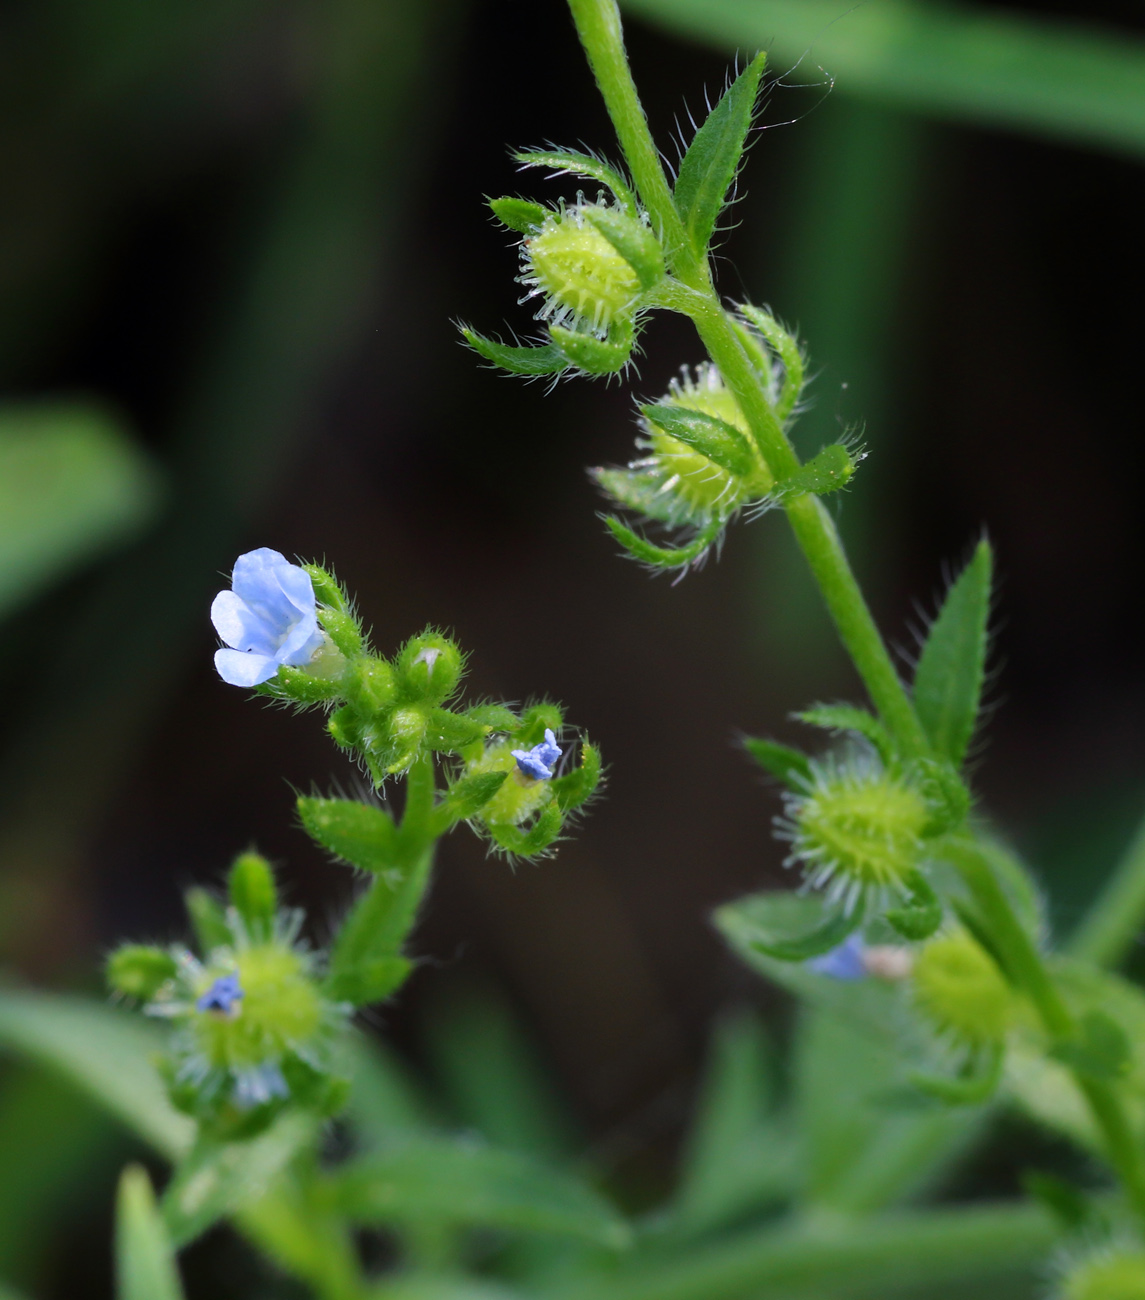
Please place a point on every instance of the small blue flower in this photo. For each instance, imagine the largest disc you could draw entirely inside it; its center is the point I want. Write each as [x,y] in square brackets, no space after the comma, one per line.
[842,963]
[269,618]
[222,995]
[537,763]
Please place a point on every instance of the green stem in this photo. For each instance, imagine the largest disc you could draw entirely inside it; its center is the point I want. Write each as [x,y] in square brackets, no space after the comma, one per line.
[1107,934]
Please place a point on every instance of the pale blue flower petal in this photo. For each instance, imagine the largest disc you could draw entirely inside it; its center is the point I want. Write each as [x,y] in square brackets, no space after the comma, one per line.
[537,763]
[842,963]
[239,626]
[242,668]
[268,618]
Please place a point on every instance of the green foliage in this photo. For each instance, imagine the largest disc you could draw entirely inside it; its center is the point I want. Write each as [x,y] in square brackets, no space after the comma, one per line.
[718,441]
[518,214]
[828,471]
[787,926]
[790,766]
[572,162]
[253,894]
[532,362]
[358,833]
[144,1258]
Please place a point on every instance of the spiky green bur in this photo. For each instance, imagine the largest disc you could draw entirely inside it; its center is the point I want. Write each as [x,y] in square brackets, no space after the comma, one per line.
[1117,1275]
[958,987]
[584,281]
[857,831]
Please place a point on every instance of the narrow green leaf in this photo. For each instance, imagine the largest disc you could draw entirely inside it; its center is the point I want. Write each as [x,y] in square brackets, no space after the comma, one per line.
[541,359]
[633,240]
[722,443]
[828,471]
[519,214]
[358,833]
[218,1178]
[144,1259]
[952,666]
[788,765]
[847,717]
[571,162]
[575,787]
[208,919]
[592,355]
[787,349]
[709,167]
[448,731]
[466,798]
[664,557]
[787,926]
[105,1052]
[473,1185]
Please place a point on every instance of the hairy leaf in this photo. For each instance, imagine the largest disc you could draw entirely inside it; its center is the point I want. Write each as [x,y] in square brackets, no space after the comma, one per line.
[848,717]
[520,215]
[663,557]
[358,833]
[540,359]
[828,471]
[722,443]
[633,240]
[592,355]
[571,162]
[791,766]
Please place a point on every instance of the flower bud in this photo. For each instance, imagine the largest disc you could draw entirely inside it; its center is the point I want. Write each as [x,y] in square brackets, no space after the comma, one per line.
[959,988]
[139,971]
[521,794]
[253,893]
[430,667]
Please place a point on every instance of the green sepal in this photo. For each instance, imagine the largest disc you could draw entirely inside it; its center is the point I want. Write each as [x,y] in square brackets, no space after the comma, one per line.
[300,687]
[595,356]
[540,359]
[144,1256]
[709,167]
[848,717]
[208,920]
[493,717]
[521,215]
[537,718]
[1100,1049]
[530,843]
[344,726]
[571,162]
[791,766]
[779,926]
[972,1088]
[254,894]
[828,471]
[921,915]
[449,732]
[327,589]
[398,743]
[575,787]
[633,240]
[721,443]
[466,798]
[789,352]
[139,970]
[343,629]
[946,795]
[664,557]
[952,667]
[640,491]
[358,833]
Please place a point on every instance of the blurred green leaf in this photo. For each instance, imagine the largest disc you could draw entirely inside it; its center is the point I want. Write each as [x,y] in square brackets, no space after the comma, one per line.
[71,485]
[452,1181]
[105,1052]
[385,1102]
[1071,81]
[786,926]
[144,1259]
[216,1179]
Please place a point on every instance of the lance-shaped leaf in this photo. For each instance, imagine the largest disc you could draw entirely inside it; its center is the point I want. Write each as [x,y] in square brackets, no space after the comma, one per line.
[790,927]
[952,666]
[633,240]
[466,798]
[446,1181]
[848,717]
[830,470]
[592,355]
[358,833]
[791,766]
[709,167]
[664,557]
[493,717]
[571,162]
[921,915]
[540,359]
[788,351]
[520,215]
[448,731]
[144,1259]
[722,443]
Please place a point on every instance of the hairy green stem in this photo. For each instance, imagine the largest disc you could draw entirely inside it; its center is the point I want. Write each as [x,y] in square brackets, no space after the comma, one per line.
[1107,934]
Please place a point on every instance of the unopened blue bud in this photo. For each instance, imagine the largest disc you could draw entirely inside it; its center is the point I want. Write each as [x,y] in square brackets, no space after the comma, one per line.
[268,618]
[222,996]
[537,763]
[842,963]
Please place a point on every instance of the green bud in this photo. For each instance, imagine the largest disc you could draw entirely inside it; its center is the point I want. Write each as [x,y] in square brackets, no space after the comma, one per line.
[430,667]
[536,719]
[253,893]
[632,239]
[301,686]
[371,684]
[959,988]
[343,629]
[401,739]
[139,970]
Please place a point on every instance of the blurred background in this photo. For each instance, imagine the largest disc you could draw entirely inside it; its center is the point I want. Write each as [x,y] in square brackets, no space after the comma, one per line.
[234,237]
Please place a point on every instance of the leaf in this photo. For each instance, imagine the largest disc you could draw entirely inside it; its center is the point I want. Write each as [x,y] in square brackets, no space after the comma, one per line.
[828,471]
[791,766]
[469,1184]
[663,557]
[448,731]
[633,240]
[105,1052]
[787,926]
[466,798]
[788,351]
[72,485]
[571,162]
[576,787]
[847,717]
[592,355]
[358,833]
[722,443]
[519,214]
[709,167]
[922,914]
[535,840]
[144,1259]
[952,666]
[1100,1050]
[539,359]
[208,920]
[218,1178]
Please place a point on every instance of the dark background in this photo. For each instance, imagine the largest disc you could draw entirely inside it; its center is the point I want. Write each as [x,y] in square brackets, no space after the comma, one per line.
[248,229]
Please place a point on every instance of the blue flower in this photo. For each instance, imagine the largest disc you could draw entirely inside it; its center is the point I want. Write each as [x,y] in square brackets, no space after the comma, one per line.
[842,963]
[269,618]
[537,763]
[222,995]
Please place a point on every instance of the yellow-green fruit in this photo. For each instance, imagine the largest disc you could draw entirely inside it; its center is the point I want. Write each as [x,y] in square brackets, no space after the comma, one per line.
[582,275]
[1118,1276]
[958,986]
[698,481]
[280,1009]
[519,797]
